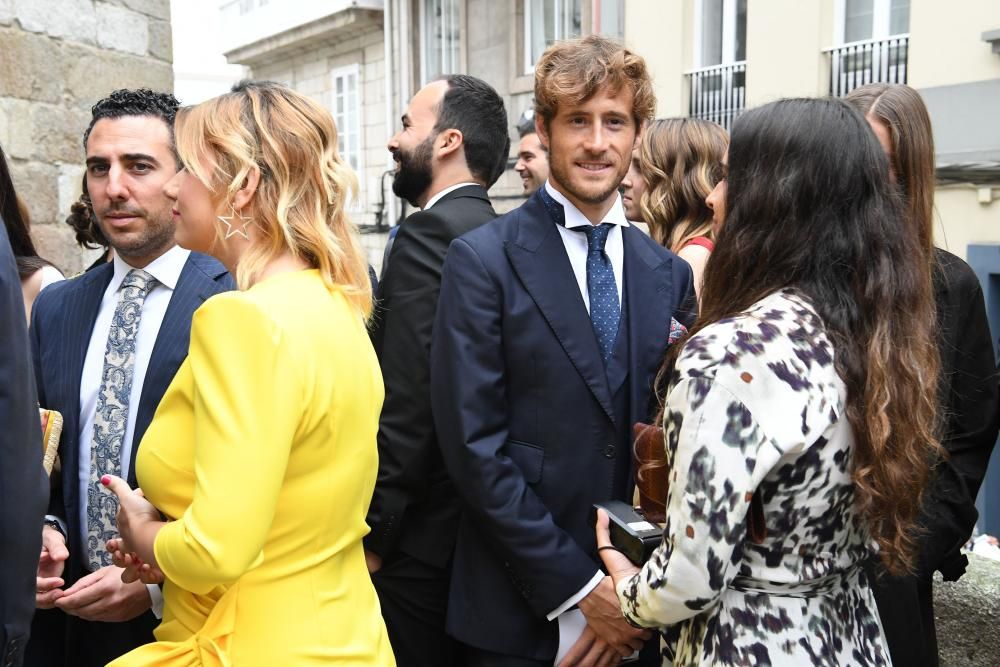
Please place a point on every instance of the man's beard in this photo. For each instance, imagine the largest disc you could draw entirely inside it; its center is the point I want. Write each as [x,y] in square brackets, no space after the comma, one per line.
[414,175]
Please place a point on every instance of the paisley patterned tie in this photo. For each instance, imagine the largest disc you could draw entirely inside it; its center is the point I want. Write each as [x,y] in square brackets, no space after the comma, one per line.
[605,309]
[112,414]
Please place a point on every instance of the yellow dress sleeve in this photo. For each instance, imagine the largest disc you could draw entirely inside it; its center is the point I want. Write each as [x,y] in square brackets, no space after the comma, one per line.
[247,406]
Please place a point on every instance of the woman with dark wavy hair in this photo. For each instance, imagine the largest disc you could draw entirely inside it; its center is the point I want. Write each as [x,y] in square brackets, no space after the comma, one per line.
[803,384]
[88,233]
[968,388]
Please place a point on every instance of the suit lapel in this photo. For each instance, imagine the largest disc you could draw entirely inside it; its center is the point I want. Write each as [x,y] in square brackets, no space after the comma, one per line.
[171,347]
[648,288]
[539,258]
[80,314]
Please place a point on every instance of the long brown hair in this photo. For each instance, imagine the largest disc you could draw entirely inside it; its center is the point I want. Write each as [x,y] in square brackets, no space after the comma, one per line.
[901,110]
[810,208]
[680,159]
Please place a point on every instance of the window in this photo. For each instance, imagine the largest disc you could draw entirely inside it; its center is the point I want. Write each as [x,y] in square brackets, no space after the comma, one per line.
[720,32]
[547,21]
[874,19]
[609,18]
[346,108]
[873,45]
[440,38]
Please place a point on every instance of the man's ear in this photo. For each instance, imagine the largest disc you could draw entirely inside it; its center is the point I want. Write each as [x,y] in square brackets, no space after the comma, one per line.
[246,192]
[449,141]
[542,131]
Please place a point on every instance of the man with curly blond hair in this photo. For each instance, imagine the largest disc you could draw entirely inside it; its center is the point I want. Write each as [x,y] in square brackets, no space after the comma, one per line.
[551,324]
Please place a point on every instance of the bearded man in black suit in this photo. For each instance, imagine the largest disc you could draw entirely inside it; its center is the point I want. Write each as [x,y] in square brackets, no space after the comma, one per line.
[452,147]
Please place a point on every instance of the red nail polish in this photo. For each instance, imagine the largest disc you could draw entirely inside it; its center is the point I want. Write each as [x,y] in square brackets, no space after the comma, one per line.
[106,480]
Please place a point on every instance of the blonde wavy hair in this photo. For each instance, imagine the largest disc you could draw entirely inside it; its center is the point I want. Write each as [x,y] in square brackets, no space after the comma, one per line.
[681,161]
[299,204]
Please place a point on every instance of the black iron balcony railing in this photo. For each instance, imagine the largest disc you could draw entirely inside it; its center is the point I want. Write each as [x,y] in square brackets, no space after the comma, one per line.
[718,93]
[870,61]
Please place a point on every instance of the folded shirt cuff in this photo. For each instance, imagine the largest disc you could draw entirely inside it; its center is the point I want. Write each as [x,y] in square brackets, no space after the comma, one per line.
[156,596]
[582,593]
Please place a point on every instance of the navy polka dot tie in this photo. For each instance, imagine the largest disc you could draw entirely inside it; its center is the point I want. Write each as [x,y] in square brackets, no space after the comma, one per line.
[605,310]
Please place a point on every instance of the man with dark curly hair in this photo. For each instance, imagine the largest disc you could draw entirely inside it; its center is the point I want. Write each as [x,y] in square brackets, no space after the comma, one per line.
[106,345]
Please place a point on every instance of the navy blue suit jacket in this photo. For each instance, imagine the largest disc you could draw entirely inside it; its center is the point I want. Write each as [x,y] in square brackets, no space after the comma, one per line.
[529,420]
[23,486]
[61,325]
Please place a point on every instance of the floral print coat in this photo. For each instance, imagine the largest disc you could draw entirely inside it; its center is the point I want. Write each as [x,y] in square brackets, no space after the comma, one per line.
[755,404]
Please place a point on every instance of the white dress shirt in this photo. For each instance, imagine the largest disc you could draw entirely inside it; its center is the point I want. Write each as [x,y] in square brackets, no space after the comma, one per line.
[576,250]
[576,242]
[166,269]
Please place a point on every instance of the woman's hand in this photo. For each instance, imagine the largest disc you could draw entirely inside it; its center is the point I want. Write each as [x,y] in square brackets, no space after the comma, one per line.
[617,564]
[135,569]
[138,524]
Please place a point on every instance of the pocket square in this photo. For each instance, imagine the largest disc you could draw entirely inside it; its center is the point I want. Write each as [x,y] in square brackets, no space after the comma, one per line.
[677,331]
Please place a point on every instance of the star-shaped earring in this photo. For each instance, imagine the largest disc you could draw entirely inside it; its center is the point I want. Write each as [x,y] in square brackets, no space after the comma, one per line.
[233,230]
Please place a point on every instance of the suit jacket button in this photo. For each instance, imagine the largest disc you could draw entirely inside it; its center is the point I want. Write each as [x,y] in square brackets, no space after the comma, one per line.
[609,452]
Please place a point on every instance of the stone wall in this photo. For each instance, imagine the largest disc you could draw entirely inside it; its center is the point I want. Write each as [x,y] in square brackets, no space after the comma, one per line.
[967,616]
[57,58]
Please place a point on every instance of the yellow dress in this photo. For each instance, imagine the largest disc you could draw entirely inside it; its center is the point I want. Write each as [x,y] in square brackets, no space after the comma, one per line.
[262,452]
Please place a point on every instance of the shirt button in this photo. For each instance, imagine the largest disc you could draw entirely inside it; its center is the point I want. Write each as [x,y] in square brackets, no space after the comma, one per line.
[609,452]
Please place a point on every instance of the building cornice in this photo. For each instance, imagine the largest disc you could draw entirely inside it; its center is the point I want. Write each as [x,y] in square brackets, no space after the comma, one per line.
[331,29]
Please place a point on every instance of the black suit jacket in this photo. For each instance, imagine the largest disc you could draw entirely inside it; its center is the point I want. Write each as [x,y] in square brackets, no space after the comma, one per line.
[23,486]
[414,507]
[61,325]
[969,391]
[526,417]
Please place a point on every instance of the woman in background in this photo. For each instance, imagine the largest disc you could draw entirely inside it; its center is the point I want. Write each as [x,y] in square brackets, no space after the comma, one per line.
[672,172]
[262,452]
[88,233]
[803,383]
[968,387]
[36,273]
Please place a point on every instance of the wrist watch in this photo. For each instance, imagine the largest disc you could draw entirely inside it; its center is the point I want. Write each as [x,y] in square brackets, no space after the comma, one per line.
[51,521]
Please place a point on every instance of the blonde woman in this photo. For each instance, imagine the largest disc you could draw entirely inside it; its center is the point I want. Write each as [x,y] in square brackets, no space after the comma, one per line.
[672,173]
[262,452]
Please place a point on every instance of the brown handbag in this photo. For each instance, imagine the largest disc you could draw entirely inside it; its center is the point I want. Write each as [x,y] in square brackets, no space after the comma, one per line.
[652,478]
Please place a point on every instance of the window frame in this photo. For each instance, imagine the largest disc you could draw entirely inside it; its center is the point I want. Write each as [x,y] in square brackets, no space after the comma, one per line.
[354,69]
[729,17]
[881,21]
[422,17]
[527,64]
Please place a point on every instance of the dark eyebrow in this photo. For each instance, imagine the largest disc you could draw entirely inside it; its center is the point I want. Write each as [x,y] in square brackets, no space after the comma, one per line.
[405,118]
[140,157]
[128,157]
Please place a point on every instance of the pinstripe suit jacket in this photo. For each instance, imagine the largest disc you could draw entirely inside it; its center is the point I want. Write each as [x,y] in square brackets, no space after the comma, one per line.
[62,321]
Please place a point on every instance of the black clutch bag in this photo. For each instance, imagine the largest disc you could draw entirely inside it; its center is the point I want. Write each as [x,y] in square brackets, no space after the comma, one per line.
[631,533]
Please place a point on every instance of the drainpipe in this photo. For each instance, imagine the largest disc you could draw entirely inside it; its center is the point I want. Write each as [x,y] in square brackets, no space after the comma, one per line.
[390,116]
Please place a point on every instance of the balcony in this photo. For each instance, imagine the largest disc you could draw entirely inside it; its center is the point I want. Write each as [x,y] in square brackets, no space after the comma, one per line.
[870,61]
[718,93]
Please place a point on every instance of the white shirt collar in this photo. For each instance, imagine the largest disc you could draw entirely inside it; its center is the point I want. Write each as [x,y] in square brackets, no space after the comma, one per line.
[166,268]
[433,200]
[615,215]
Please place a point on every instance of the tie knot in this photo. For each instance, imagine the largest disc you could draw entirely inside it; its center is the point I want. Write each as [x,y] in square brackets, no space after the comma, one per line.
[597,235]
[138,279]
